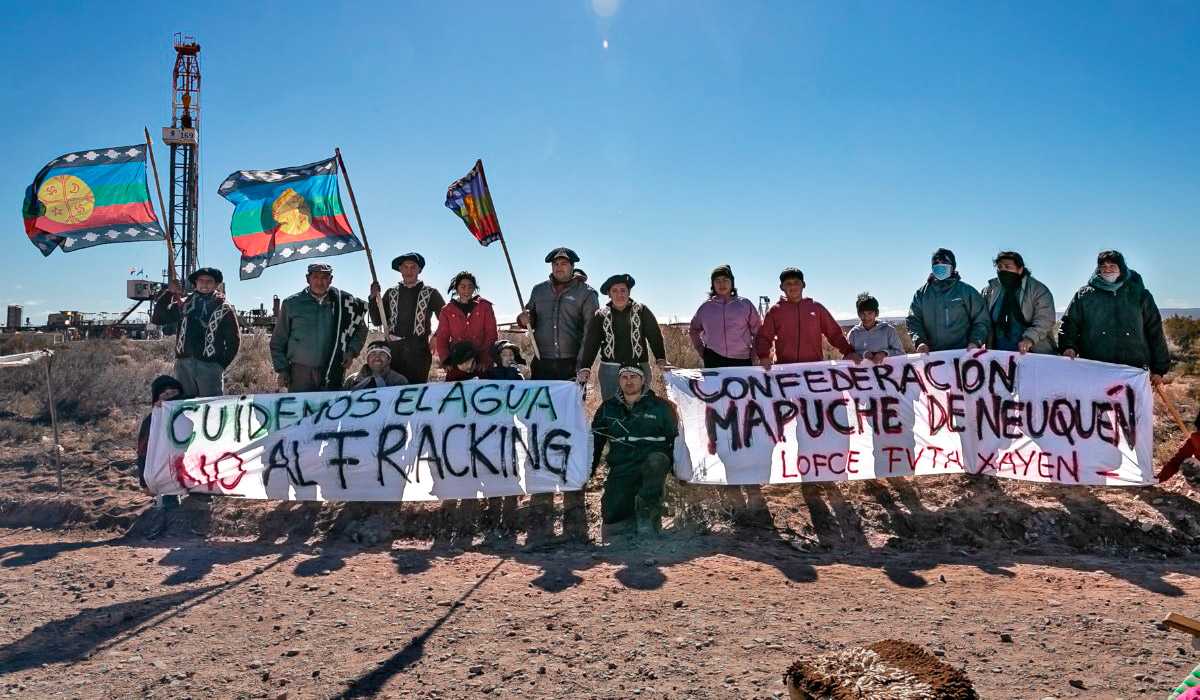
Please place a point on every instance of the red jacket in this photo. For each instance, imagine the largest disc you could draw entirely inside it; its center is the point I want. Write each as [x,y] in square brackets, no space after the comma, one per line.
[479,328]
[795,329]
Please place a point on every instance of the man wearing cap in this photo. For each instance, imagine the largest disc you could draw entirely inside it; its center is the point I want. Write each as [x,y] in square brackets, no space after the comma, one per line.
[558,311]
[947,313]
[318,333]
[377,372]
[621,332]
[794,326]
[640,430]
[207,338]
[411,307]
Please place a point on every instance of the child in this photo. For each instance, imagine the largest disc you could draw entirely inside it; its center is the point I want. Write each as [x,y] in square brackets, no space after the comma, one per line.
[505,357]
[876,340]
[163,388]
[461,363]
[377,373]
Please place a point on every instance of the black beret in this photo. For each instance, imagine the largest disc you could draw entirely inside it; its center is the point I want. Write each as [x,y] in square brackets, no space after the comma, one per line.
[562,253]
[415,257]
[626,280]
[320,267]
[790,273]
[210,271]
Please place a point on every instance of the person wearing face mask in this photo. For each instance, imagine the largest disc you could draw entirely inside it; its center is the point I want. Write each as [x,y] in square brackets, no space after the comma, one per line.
[1113,318]
[947,313]
[1021,308]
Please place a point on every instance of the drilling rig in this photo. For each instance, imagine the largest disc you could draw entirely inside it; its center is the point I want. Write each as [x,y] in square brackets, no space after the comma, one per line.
[183,136]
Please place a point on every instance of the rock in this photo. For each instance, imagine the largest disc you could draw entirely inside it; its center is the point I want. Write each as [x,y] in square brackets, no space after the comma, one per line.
[678,604]
[475,670]
[1053,603]
[110,583]
[292,652]
[1147,526]
[1006,637]
[158,663]
[255,664]
[444,603]
[1075,684]
[650,561]
[578,637]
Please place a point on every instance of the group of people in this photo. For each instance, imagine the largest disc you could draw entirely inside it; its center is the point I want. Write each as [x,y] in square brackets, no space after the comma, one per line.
[320,333]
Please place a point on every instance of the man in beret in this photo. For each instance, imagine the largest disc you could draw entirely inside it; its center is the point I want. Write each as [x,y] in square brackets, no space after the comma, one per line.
[318,333]
[793,327]
[640,430]
[622,332]
[207,336]
[411,308]
[558,311]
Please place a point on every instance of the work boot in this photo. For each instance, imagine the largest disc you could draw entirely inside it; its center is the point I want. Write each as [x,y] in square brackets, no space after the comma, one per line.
[649,519]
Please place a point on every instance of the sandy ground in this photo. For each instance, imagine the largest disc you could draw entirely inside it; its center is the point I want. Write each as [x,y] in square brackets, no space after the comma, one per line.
[715,616]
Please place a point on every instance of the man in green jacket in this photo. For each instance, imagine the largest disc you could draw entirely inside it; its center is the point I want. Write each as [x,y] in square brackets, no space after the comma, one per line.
[319,332]
[947,313]
[640,430]
[1113,318]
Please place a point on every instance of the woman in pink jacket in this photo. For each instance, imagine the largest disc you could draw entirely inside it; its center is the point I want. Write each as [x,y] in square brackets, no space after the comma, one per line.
[467,317]
[724,327]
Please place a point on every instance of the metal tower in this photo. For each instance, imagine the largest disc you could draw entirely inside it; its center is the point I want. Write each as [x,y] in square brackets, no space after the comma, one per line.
[183,136]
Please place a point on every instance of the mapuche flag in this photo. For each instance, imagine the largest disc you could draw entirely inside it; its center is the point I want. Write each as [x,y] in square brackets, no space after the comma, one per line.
[90,198]
[287,214]
[471,200]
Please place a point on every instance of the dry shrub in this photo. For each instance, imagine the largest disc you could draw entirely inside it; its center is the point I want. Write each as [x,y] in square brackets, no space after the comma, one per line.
[1183,332]
[251,371]
[91,378]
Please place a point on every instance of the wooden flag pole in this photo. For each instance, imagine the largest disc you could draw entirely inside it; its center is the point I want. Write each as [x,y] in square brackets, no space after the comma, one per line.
[162,209]
[53,421]
[508,259]
[1162,394]
[366,246]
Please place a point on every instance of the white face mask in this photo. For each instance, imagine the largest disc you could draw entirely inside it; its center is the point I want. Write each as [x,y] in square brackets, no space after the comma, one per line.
[1110,277]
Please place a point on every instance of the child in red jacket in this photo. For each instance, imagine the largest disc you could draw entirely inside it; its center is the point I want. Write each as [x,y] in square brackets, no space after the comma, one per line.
[794,326]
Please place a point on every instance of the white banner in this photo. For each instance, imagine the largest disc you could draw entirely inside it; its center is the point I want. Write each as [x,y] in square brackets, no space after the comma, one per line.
[411,443]
[1034,417]
[25,358]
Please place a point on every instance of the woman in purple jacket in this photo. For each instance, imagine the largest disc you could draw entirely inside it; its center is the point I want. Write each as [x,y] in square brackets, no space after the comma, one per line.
[724,327]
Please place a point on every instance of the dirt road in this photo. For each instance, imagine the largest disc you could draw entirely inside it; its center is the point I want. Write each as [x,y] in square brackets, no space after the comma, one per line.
[718,616]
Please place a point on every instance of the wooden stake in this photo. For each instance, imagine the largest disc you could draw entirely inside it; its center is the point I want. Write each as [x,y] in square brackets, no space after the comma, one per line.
[53,420]
[1183,624]
[508,259]
[366,246]
[162,210]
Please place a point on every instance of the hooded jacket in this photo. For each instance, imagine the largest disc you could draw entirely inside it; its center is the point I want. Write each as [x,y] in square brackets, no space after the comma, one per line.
[611,331]
[948,315]
[560,317]
[726,326]
[1123,327]
[208,327]
[478,328]
[795,328]
[1037,306]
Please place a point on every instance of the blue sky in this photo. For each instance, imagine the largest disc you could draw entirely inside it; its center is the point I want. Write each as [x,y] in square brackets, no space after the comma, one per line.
[847,139]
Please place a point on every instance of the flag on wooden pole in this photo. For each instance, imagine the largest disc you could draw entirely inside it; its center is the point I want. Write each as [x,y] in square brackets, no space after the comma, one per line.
[470,199]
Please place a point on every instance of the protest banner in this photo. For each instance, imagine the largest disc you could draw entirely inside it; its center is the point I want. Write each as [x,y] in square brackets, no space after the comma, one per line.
[1033,417]
[421,442]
